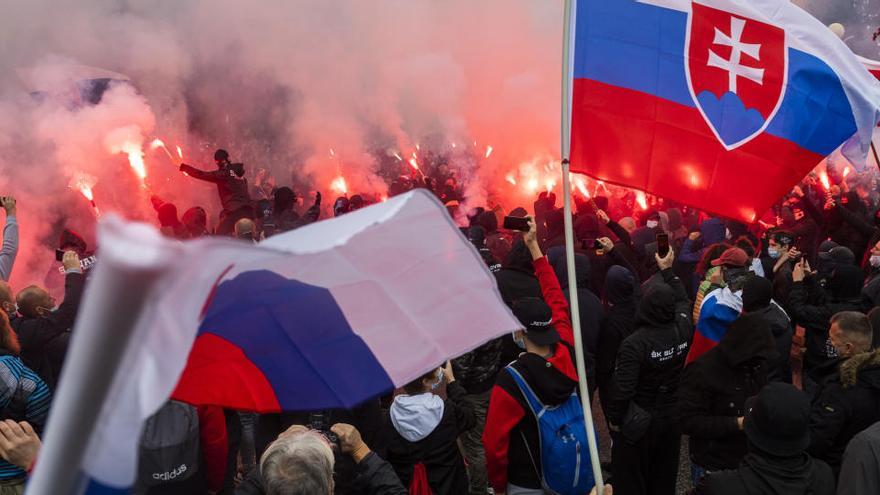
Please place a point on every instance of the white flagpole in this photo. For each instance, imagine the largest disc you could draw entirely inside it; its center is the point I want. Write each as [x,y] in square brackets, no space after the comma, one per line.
[567,80]
[115,297]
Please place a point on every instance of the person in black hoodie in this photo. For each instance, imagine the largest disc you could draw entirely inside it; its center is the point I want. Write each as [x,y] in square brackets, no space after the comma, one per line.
[846,287]
[776,428]
[619,322]
[714,389]
[646,379]
[757,299]
[516,280]
[43,332]
[425,433]
[589,306]
[232,187]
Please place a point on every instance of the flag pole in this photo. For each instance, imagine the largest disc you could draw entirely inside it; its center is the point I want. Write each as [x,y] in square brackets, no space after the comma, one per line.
[567,79]
[874,150]
[100,337]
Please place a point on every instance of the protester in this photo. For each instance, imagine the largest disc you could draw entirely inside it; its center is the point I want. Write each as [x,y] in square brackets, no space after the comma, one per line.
[723,304]
[424,439]
[618,324]
[643,412]
[546,370]
[43,329]
[301,462]
[10,237]
[845,295]
[860,469]
[169,224]
[246,230]
[776,426]
[783,256]
[196,222]
[714,389]
[850,401]
[711,275]
[23,397]
[756,300]
[871,290]
[232,188]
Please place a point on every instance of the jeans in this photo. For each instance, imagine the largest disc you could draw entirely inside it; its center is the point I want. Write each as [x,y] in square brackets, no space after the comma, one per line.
[472,443]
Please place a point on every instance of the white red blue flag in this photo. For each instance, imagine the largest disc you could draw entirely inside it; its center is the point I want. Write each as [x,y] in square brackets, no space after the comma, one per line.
[720,104]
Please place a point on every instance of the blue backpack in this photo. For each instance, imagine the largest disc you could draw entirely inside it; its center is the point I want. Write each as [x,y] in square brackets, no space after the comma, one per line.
[565,456]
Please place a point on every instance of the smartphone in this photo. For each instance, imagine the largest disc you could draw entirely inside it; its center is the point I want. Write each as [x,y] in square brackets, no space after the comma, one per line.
[59,254]
[516,223]
[662,245]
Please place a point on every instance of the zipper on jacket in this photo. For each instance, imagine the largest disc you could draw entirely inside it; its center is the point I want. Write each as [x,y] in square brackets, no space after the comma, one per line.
[577,466]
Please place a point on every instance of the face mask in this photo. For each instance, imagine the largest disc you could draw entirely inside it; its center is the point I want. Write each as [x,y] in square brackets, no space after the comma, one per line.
[519,342]
[436,385]
[774,253]
[874,260]
[652,224]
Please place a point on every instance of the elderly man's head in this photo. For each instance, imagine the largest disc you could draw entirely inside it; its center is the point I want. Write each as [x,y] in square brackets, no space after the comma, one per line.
[299,462]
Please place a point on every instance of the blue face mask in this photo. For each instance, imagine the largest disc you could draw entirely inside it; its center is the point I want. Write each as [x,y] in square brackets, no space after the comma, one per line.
[521,343]
[436,385]
[773,252]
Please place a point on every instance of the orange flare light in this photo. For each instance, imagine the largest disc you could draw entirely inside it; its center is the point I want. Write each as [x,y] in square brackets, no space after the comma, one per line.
[180,152]
[581,185]
[846,172]
[532,185]
[339,185]
[414,163]
[642,200]
[488,151]
[510,178]
[823,178]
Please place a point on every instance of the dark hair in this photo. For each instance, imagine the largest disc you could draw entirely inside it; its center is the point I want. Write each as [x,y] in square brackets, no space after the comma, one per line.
[744,243]
[712,252]
[284,199]
[855,324]
[784,237]
[416,386]
[221,154]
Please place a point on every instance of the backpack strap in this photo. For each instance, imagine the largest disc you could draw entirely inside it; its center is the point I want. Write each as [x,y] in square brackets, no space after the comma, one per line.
[535,404]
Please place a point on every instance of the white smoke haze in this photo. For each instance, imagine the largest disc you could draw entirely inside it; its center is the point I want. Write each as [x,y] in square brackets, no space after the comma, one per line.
[278,83]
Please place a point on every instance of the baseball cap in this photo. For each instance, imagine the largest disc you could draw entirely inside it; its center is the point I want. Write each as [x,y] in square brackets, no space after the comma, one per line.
[840,255]
[732,257]
[537,320]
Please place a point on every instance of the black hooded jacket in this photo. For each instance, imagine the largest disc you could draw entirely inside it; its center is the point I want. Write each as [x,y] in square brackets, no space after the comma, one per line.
[650,360]
[714,389]
[763,474]
[589,306]
[846,286]
[618,324]
[517,278]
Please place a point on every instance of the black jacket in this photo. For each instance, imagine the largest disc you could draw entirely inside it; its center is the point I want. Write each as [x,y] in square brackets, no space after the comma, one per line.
[44,340]
[231,185]
[477,370]
[439,450]
[650,360]
[846,286]
[618,324]
[845,406]
[780,325]
[761,474]
[374,473]
[714,389]
[516,280]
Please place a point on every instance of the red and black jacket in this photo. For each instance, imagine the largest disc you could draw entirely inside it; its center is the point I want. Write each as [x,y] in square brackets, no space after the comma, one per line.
[511,435]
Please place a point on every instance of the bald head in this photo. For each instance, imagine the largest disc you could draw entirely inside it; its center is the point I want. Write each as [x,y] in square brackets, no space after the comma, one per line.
[34,302]
[245,229]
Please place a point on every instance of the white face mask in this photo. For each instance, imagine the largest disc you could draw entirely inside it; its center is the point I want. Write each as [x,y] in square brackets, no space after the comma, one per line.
[652,224]
[874,260]
[773,252]
[521,343]
[436,385]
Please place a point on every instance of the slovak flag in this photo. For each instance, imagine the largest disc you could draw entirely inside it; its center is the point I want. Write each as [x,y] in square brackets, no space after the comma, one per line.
[873,66]
[326,316]
[719,104]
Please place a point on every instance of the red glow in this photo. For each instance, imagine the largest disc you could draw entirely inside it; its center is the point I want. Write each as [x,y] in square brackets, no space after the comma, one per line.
[581,186]
[846,171]
[413,163]
[87,192]
[510,178]
[488,151]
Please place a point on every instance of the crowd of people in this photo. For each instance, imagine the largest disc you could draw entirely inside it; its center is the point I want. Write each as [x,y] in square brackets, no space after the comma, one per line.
[755,344]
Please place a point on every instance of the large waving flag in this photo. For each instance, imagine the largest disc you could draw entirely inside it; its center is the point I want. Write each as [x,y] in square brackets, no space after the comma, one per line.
[873,66]
[720,104]
[325,316]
